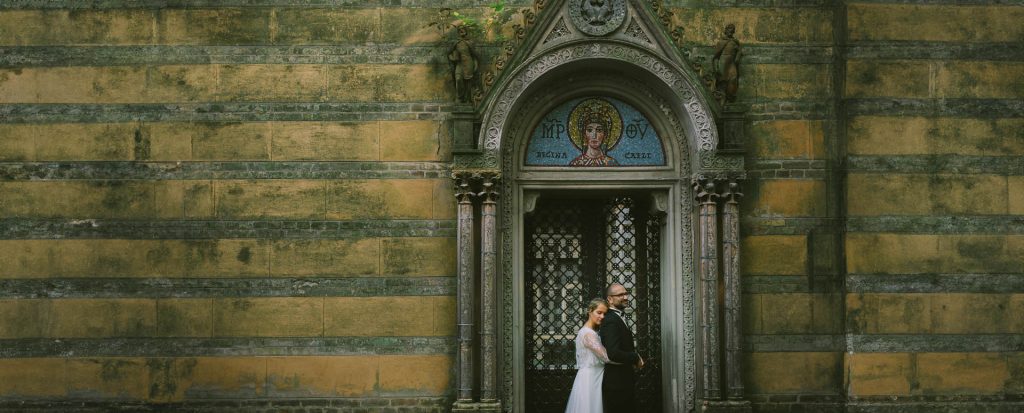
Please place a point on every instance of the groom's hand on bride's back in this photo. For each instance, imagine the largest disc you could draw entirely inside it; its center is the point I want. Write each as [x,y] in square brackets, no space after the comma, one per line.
[639,362]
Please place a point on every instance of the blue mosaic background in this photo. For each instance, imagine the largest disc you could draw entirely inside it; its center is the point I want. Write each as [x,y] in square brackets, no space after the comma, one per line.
[550,144]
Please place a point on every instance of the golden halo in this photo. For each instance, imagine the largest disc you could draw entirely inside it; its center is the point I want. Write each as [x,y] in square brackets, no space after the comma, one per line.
[595,108]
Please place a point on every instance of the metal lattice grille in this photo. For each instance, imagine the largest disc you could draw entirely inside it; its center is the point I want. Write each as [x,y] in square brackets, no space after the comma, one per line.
[574,248]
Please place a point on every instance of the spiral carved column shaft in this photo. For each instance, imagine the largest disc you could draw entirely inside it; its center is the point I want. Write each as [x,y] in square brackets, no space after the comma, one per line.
[708,264]
[488,275]
[466,286]
[731,272]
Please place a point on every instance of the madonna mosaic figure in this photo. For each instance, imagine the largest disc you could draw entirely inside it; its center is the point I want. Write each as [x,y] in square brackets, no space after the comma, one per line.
[595,126]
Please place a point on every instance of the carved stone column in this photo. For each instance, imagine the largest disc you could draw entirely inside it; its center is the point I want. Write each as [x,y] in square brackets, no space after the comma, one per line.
[731,273]
[488,278]
[465,299]
[708,268]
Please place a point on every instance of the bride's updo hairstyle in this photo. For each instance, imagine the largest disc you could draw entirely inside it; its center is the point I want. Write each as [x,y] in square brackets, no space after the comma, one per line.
[594,303]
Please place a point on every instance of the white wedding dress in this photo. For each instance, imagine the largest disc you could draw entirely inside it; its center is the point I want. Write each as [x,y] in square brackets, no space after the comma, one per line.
[590,360]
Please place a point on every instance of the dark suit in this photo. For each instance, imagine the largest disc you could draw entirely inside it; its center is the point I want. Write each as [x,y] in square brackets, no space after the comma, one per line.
[619,379]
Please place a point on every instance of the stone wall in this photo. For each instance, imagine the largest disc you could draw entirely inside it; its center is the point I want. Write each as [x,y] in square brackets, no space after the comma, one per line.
[224,205]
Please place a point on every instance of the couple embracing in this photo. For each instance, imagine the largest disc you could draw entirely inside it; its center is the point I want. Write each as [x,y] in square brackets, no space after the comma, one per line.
[606,358]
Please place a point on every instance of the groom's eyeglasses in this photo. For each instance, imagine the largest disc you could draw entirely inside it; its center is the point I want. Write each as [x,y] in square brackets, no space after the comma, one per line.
[619,294]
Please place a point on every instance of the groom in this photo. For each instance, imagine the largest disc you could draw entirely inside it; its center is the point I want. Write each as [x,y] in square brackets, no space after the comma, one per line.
[619,379]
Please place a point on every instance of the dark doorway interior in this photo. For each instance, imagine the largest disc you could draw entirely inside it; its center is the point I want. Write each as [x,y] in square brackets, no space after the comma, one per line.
[574,248]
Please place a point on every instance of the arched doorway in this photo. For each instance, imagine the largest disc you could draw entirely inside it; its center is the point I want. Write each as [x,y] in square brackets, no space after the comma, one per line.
[560,68]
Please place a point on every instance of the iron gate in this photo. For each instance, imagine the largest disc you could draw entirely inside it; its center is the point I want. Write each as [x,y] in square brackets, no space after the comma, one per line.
[574,249]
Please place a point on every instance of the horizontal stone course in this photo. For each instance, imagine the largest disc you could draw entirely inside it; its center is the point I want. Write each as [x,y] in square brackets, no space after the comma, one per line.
[913,135]
[230,199]
[224,346]
[419,316]
[222,83]
[872,194]
[934,313]
[933,79]
[162,380]
[948,23]
[910,374]
[230,258]
[212,230]
[793,373]
[880,253]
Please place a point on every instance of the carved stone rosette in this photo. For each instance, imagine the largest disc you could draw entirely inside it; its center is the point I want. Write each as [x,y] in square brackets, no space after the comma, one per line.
[472,186]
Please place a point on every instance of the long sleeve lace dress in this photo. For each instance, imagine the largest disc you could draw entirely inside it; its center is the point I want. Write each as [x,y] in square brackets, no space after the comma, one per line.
[590,360]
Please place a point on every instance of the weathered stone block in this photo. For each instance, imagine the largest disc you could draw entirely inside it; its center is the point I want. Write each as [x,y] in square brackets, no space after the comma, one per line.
[230,141]
[24,318]
[301,25]
[215,26]
[879,374]
[415,375]
[182,83]
[327,258]
[1016,193]
[445,206]
[789,198]
[827,312]
[934,23]
[29,259]
[184,317]
[788,139]
[444,316]
[225,378]
[786,81]
[384,316]
[270,199]
[198,200]
[271,83]
[892,253]
[91,27]
[412,141]
[918,194]
[885,135]
[961,373]
[344,376]
[418,256]
[109,84]
[965,313]
[752,314]
[227,258]
[408,26]
[67,142]
[107,378]
[774,255]
[33,377]
[786,313]
[386,83]
[889,313]
[96,318]
[120,199]
[326,141]
[118,258]
[168,141]
[868,78]
[793,373]
[971,79]
[268,317]
[982,253]
[755,26]
[380,198]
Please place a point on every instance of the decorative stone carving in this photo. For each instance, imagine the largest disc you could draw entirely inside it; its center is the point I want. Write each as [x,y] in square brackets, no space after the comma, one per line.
[488,277]
[597,17]
[727,75]
[559,31]
[634,31]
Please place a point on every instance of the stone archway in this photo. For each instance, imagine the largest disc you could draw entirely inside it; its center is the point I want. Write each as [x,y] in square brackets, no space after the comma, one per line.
[699,178]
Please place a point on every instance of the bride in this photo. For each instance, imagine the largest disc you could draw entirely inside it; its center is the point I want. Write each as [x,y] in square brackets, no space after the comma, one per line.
[590,360]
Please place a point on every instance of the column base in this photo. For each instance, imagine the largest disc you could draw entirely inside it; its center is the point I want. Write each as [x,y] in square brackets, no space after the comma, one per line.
[467,406]
[726,406]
